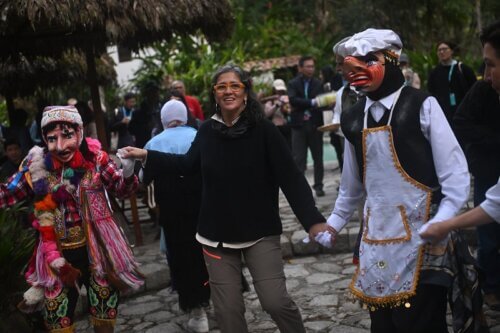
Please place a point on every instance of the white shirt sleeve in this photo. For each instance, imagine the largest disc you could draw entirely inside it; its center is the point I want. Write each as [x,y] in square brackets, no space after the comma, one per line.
[337,109]
[492,203]
[449,162]
[351,190]
[449,159]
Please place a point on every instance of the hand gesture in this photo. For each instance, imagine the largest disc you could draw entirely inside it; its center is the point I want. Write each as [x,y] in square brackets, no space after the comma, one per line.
[323,233]
[133,153]
[434,232]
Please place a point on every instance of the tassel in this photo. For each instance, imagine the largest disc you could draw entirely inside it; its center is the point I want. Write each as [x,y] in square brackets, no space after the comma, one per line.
[42,274]
[40,187]
[46,204]
[69,275]
[34,295]
[61,195]
[68,173]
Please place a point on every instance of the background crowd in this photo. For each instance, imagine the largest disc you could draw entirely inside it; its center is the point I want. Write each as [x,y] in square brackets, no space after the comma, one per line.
[298,109]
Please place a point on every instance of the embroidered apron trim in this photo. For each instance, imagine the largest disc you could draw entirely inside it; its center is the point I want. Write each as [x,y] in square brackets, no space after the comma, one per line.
[396,206]
[404,218]
[387,301]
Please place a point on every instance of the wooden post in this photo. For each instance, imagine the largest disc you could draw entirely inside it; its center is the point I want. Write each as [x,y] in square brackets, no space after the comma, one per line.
[10,107]
[135,220]
[96,99]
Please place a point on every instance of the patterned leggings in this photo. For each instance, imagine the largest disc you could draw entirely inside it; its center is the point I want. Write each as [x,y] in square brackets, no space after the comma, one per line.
[60,301]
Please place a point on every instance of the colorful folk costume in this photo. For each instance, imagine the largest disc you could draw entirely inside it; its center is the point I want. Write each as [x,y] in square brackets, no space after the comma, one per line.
[401,153]
[79,241]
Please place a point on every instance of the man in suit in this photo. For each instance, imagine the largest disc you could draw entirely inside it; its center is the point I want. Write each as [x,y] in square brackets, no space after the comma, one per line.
[305,118]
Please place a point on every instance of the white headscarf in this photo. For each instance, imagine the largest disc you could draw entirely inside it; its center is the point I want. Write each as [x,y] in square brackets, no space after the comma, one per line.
[173,110]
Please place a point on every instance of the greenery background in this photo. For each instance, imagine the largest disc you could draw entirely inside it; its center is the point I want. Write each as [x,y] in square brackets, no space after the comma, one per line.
[267,29]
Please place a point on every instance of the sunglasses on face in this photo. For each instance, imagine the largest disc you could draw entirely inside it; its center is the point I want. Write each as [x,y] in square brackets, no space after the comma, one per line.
[233,86]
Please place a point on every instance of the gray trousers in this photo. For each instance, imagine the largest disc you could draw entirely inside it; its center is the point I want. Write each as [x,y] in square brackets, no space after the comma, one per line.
[265,264]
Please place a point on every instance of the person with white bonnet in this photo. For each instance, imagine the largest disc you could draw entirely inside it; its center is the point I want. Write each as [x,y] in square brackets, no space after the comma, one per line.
[277,109]
[401,153]
[178,197]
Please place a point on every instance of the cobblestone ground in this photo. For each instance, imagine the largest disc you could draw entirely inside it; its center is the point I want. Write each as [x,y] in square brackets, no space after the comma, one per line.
[316,280]
[317,284]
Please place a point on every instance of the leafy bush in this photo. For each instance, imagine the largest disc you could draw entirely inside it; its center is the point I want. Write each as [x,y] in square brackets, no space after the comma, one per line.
[16,247]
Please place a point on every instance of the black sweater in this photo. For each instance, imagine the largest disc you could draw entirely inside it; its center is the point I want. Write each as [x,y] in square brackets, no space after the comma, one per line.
[477,127]
[462,79]
[241,179]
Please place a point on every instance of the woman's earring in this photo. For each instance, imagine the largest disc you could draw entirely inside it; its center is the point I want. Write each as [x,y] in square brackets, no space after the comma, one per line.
[217,107]
[245,101]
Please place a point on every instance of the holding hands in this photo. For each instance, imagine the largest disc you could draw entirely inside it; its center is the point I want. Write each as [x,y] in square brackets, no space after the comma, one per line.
[133,153]
[128,156]
[324,234]
[435,232]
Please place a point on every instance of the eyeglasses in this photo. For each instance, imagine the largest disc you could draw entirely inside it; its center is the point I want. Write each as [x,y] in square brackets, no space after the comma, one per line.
[233,86]
[443,49]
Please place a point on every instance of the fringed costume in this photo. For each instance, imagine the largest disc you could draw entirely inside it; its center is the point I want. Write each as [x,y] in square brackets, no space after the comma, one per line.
[78,240]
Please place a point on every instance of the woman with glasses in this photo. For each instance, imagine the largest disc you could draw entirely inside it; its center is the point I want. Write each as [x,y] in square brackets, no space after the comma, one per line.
[450,80]
[244,161]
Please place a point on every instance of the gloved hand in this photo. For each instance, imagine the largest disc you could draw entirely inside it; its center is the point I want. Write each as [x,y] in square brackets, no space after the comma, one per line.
[326,239]
[127,164]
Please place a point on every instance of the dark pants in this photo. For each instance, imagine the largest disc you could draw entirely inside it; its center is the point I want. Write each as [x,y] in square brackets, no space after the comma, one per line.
[188,270]
[305,137]
[488,236]
[426,314]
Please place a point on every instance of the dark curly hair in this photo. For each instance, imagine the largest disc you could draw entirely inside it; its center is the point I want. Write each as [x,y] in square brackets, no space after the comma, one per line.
[491,35]
[253,109]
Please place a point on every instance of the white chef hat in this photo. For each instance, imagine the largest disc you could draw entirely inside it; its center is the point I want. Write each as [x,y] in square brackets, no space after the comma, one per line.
[339,47]
[373,40]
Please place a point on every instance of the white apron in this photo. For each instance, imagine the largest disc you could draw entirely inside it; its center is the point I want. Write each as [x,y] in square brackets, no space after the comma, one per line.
[396,206]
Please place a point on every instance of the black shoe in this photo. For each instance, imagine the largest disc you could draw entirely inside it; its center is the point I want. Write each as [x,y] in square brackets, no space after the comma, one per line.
[320,193]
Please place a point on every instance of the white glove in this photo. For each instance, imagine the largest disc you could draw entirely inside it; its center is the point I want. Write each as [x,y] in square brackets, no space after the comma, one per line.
[127,164]
[324,238]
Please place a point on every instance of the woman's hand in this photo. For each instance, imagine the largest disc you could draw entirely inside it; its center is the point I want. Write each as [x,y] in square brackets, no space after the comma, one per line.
[133,153]
[435,232]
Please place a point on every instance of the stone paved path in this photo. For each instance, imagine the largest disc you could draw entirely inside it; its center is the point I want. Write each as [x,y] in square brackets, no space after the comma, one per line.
[317,284]
[316,280]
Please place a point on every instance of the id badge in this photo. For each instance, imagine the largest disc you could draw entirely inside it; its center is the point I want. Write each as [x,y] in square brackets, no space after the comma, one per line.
[453,100]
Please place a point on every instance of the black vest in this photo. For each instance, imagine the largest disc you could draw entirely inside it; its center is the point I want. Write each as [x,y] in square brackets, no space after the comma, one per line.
[349,98]
[412,148]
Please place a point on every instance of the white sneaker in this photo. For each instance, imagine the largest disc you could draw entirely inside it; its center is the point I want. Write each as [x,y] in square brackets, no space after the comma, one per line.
[198,321]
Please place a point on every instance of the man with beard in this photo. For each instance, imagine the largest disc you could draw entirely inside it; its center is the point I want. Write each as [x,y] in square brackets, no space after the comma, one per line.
[401,153]
[78,239]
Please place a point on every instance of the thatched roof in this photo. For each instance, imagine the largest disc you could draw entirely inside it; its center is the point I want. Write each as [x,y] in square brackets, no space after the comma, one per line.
[22,77]
[45,27]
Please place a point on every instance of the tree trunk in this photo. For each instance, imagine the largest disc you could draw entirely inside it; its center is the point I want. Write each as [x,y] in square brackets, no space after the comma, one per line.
[96,100]
[10,107]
